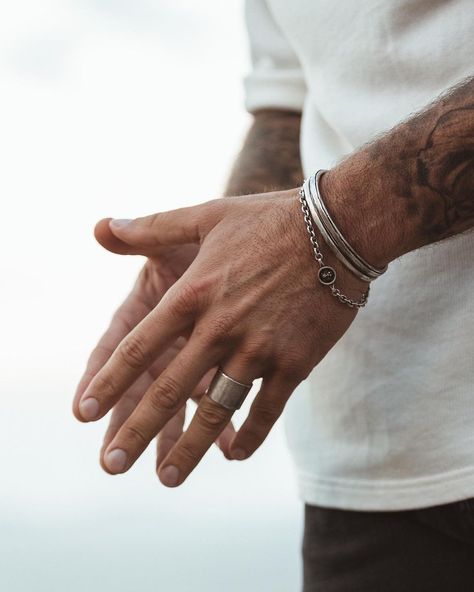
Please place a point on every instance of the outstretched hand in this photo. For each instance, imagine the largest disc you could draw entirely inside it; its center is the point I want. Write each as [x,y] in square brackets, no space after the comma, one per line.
[158,274]
[244,298]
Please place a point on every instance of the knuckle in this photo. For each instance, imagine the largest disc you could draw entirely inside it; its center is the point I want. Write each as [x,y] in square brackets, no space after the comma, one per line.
[203,287]
[186,300]
[210,211]
[155,221]
[121,318]
[188,453]
[99,355]
[293,366]
[220,328]
[165,441]
[267,413]
[211,418]
[165,395]
[134,353]
[135,434]
[104,384]
[255,351]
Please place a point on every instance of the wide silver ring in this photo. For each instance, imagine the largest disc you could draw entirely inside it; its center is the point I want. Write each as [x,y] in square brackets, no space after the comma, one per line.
[227,392]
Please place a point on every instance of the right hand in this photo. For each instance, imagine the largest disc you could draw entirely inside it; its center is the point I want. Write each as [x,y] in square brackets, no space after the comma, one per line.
[157,275]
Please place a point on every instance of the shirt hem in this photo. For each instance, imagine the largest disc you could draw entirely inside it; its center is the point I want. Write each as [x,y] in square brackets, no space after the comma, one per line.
[274,92]
[386,495]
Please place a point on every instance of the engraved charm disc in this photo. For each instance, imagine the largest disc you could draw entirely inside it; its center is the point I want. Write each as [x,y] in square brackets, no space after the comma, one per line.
[327,275]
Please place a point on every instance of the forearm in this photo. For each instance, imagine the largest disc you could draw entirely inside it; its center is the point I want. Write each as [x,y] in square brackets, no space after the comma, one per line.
[411,187]
[270,157]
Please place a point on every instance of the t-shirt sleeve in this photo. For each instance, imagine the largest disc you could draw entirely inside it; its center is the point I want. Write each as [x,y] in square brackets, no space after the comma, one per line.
[276,78]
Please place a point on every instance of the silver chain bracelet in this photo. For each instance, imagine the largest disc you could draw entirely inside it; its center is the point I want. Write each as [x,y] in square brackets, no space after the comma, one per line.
[332,235]
[327,274]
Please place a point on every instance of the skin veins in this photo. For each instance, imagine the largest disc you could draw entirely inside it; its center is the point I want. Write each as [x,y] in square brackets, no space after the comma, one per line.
[260,164]
[414,185]
[247,301]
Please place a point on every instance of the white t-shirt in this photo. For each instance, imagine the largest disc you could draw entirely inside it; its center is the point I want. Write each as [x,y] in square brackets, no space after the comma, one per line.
[386,421]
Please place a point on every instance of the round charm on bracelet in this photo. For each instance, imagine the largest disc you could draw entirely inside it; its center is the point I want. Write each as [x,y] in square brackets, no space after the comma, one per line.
[327,275]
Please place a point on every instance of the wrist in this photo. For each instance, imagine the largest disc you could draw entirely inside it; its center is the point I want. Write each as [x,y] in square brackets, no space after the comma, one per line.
[360,200]
[346,281]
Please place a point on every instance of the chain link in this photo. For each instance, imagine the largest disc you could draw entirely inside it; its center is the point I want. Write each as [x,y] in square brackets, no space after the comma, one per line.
[320,260]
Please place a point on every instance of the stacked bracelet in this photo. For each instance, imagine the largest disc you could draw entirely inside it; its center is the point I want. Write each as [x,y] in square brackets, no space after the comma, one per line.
[326,274]
[333,237]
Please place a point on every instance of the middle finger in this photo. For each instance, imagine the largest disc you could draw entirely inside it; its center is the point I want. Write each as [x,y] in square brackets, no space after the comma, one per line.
[160,403]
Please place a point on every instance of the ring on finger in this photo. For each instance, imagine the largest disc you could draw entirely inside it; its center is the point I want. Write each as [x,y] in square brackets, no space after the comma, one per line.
[227,391]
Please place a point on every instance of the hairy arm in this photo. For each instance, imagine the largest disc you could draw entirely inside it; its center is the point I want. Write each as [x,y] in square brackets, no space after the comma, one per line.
[414,185]
[270,157]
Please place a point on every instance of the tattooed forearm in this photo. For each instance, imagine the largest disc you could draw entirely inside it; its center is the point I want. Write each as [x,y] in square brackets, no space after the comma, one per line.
[445,165]
[414,185]
[270,157]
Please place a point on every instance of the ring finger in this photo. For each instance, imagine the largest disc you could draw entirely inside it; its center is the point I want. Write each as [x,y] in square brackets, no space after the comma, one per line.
[172,431]
[208,422]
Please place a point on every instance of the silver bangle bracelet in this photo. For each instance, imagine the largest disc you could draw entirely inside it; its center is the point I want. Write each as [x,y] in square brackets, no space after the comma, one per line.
[326,273]
[333,237]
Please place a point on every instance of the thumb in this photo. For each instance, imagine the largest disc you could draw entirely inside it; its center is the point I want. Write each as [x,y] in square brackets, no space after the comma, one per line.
[109,241]
[175,227]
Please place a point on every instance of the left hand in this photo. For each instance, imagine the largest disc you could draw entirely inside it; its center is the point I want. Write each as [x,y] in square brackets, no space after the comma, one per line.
[250,302]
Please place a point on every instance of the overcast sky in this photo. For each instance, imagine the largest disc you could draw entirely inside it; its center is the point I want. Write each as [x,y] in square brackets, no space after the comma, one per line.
[114,108]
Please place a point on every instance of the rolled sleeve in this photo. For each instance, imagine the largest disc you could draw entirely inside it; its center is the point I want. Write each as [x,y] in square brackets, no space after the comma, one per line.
[276,78]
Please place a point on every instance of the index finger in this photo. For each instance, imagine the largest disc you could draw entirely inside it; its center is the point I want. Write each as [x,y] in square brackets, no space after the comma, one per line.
[170,318]
[126,317]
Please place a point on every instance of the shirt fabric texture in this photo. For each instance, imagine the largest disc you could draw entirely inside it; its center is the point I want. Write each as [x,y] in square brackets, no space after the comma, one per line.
[386,420]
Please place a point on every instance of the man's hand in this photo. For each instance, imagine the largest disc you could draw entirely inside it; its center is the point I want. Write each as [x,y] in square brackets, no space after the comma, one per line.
[248,302]
[269,159]
[157,276]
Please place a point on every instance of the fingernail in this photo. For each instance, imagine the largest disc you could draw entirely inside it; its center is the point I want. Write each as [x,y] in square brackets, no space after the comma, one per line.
[239,454]
[169,476]
[89,408]
[116,460]
[120,222]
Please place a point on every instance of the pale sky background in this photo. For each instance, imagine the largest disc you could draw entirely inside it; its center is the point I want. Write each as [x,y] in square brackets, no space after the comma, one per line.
[115,108]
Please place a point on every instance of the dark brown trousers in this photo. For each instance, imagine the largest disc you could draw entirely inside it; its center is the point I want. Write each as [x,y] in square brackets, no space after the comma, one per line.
[429,550]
